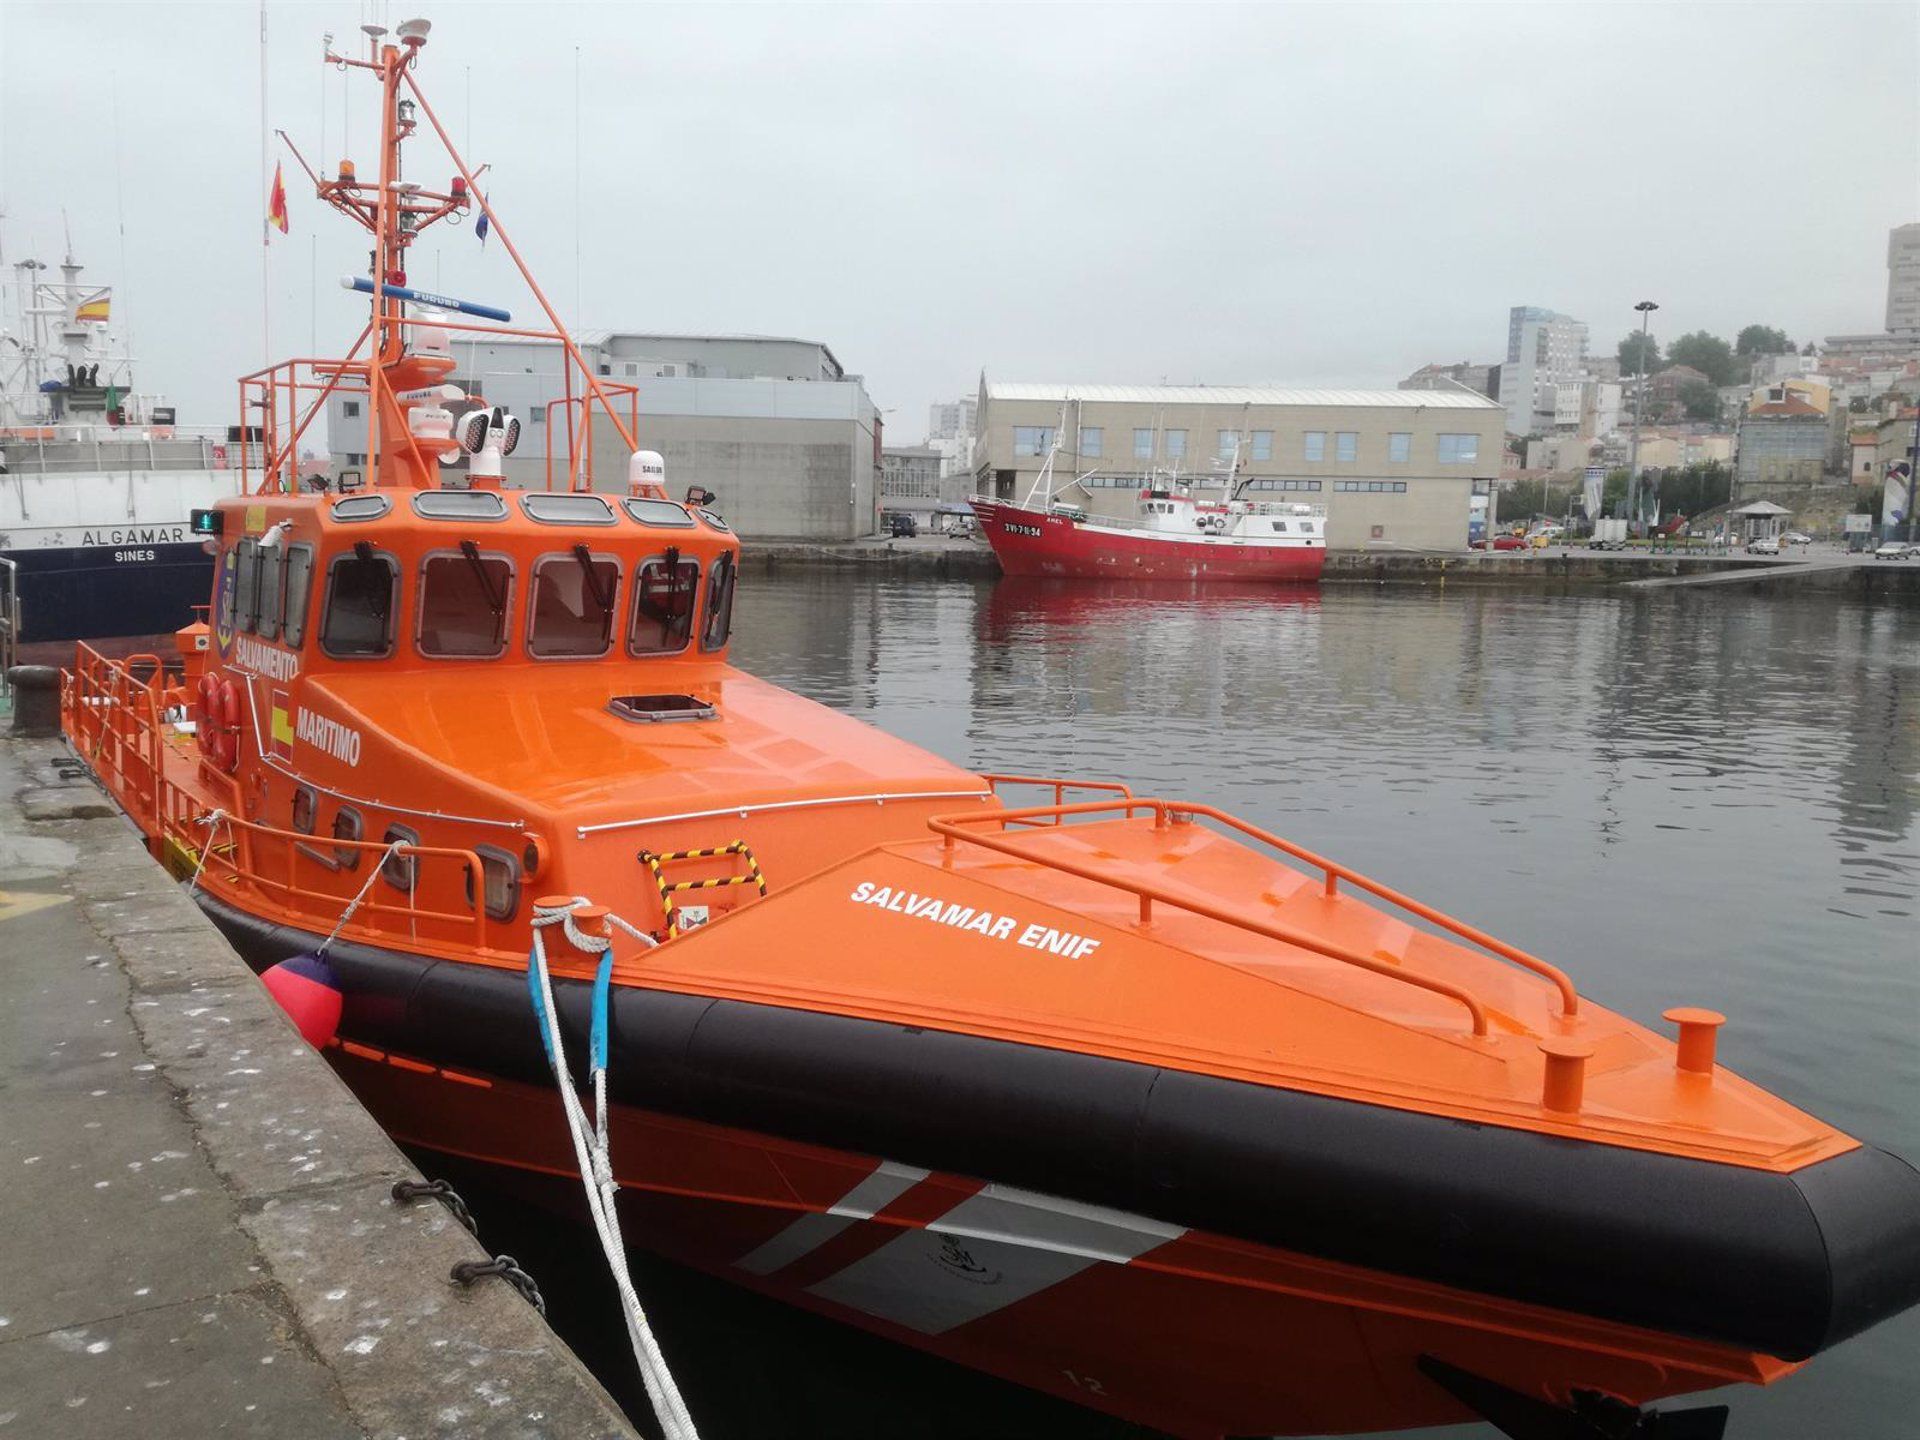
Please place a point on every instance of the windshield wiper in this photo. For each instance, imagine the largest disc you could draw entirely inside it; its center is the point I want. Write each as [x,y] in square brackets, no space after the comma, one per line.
[496,601]
[604,599]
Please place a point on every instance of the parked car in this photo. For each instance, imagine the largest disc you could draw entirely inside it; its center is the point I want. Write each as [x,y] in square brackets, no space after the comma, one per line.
[902,526]
[1896,550]
[1764,545]
[1509,542]
[1795,537]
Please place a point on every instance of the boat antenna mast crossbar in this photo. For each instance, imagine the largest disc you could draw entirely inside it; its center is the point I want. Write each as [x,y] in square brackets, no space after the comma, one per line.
[396,212]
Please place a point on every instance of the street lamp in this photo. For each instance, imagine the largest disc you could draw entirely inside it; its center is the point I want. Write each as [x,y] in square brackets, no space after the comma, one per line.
[1646,309]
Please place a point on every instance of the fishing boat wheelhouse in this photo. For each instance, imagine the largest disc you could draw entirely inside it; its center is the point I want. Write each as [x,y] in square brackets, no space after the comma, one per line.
[1121,1098]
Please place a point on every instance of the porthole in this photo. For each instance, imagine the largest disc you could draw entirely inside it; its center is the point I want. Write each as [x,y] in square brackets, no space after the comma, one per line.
[347,825]
[400,871]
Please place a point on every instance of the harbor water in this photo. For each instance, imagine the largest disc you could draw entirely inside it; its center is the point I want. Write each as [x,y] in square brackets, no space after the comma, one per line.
[1682,799]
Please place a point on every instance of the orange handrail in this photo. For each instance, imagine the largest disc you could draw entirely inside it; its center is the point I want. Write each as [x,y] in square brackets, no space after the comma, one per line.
[954,828]
[1335,872]
[1060,786]
[115,719]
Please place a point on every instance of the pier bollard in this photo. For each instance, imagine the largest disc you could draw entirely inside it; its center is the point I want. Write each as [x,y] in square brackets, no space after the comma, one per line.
[36,700]
[1565,1083]
[1699,1033]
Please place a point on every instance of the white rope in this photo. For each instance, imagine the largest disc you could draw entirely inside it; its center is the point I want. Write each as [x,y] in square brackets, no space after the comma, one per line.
[210,819]
[590,1148]
[354,904]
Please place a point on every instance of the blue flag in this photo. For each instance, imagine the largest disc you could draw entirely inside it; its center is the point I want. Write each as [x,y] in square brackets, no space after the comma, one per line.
[481,226]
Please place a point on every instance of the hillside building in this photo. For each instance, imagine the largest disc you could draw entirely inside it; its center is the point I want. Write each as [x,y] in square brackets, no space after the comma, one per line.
[1544,350]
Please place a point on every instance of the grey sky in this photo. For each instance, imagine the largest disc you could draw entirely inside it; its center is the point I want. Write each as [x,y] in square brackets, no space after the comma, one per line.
[1298,194]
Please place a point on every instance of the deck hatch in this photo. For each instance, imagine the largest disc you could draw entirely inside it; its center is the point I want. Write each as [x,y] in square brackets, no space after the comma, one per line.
[644,709]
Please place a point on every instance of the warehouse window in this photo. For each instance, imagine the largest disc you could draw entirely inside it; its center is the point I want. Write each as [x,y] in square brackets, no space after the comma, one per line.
[1090,441]
[1176,444]
[1032,439]
[1459,449]
[1295,485]
[1400,447]
[1316,445]
[1143,444]
[1346,445]
[1263,444]
[1229,442]
[1371,487]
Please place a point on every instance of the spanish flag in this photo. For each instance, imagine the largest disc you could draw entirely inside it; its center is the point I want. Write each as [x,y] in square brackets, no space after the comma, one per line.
[96,308]
[277,204]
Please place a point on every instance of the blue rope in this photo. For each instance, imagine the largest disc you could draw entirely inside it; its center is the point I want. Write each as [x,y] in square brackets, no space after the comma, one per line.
[536,967]
[602,1004]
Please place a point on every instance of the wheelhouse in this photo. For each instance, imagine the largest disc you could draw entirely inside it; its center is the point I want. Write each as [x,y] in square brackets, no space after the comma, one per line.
[475,577]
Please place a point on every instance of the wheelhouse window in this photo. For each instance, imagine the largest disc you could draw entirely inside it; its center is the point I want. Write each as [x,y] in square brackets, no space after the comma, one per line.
[571,614]
[246,586]
[663,591]
[273,575]
[299,588]
[464,598]
[718,624]
[363,586]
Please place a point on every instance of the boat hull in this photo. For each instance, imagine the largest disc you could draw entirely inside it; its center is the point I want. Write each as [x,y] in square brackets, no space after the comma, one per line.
[1216,1257]
[147,582]
[1028,542]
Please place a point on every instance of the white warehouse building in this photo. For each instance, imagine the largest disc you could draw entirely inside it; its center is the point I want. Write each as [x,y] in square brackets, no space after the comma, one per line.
[775,427]
[1394,468]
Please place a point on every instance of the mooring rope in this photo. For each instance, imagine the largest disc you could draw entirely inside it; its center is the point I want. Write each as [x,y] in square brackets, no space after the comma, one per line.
[211,819]
[591,1140]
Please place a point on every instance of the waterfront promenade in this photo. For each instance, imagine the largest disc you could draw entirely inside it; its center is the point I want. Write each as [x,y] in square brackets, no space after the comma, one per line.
[200,1236]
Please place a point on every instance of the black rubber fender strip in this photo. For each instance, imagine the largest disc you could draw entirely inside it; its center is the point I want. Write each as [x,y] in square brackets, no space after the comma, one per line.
[1785,1265]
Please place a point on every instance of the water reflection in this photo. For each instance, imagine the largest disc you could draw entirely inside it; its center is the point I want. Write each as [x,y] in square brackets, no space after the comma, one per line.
[1681,797]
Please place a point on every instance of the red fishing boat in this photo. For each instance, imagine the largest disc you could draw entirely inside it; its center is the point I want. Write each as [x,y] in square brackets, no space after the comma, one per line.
[1173,534]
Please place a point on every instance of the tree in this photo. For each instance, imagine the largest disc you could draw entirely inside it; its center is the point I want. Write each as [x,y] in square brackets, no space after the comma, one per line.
[1700,400]
[1632,354]
[1708,354]
[1758,340]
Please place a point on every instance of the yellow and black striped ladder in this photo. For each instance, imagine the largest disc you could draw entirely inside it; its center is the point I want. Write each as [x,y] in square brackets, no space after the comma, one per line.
[657,862]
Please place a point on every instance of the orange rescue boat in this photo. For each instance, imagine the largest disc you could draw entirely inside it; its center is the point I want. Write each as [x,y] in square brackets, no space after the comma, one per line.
[1121,1098]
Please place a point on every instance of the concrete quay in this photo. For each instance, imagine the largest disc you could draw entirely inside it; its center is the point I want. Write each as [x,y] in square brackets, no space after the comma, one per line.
[949,558]
[200,1236]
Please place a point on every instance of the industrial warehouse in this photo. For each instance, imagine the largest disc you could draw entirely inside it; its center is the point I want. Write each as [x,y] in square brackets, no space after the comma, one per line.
[1393,468]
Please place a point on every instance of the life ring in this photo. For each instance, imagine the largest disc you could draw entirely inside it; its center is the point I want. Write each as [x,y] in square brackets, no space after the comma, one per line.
[206,704]
[217,727]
